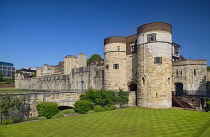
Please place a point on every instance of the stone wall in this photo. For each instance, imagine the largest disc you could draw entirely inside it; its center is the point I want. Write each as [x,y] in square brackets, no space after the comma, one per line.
[191,73]
[154,79]
[131,69]
[91,75]
[39,71]
[208,75]
[115,64]
[61,98]
[82,60]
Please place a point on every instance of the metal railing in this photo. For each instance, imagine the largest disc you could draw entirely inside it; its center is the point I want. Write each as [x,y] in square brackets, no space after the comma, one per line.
[192,93]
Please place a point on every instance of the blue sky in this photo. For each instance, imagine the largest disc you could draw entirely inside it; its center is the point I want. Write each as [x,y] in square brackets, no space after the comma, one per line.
[37,32]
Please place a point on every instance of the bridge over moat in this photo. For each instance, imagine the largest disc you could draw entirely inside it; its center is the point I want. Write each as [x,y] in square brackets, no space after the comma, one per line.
[63,99]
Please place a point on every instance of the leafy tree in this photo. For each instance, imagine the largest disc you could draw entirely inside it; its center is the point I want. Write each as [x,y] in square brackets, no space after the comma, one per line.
[208,68]
[1,76]
[94,56]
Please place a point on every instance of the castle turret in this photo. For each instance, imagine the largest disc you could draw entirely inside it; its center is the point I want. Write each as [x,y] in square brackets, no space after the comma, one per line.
[154,65]
[82,60]
[115,63]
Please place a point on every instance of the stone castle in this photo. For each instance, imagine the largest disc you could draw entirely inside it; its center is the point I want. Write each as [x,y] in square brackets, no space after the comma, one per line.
[147,64]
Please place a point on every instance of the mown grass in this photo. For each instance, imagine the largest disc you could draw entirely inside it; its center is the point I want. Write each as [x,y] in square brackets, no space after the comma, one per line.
[130,122]
[12,90]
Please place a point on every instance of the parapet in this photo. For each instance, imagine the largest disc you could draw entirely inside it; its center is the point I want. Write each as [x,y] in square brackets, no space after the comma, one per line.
[189,62]
[154,26]
[115,39]
[70,56]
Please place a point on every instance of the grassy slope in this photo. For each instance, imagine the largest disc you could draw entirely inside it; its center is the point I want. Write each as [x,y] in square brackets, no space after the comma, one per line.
[12,90]
[119,123]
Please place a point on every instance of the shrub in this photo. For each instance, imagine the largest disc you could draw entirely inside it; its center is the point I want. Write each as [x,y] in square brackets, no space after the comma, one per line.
[97,108]
[106,98]
[82,106]
[106,108]
[112,107]
[58,115]
[42,118]
[67,111]
[13,107]
[6,122]
[47,109]
[207,108]
[90,111]
[99,97]
[122,98]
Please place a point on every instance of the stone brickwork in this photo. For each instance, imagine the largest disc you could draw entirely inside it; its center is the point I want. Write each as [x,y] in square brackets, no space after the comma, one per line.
[191,73]
[155,26]
[115,64]
[39,71]
[131,69]
[61,98]
[70,62]
[82,60]
[208,75]
[49,69]
[154,79]
[91,76]
[131,41]
[148,64]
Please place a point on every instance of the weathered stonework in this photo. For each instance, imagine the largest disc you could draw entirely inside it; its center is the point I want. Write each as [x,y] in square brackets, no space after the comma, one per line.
[154,80]
[129,64]
[91,76]
[191,73]
[115,54]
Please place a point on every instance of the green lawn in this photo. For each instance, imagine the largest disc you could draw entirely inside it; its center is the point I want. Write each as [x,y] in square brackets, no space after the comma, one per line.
[12,90]
[130,122]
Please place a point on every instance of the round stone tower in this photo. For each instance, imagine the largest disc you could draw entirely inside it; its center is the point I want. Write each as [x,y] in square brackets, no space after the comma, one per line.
[115,63]
[154,65]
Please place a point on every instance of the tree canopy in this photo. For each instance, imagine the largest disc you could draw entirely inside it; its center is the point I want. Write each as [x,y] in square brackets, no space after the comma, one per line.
[94,56]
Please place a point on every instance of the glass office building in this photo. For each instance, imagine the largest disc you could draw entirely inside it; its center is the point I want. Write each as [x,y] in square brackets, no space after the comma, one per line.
[7,69]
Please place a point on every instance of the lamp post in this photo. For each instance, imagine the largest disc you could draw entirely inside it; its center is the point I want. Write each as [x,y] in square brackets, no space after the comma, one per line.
[82,81]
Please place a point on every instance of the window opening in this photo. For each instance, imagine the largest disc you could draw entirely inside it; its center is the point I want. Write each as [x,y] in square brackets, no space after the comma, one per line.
[115,66]
[158,60]
[151,37]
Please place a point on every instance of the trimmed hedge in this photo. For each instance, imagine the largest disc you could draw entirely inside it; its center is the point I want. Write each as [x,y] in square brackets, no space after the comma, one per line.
[112,107]
[82,106]
[47,109]
[67,111]
[97,108]
[59,115]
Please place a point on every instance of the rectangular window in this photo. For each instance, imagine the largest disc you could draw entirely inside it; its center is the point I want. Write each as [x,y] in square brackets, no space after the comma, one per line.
[115,66]
[194,71]
[132,47]
[158,60]
[151,37]
[118,48]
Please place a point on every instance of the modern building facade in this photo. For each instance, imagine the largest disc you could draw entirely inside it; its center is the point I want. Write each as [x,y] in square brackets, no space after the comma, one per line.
[7,69]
